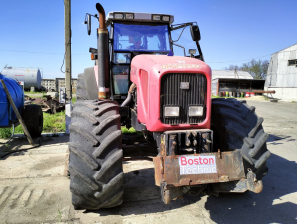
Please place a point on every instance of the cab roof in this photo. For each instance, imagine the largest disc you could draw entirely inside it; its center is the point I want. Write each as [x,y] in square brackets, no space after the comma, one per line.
[138,17]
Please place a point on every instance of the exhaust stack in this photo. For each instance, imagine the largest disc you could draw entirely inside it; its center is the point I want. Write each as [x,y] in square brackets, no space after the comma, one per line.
[103,61]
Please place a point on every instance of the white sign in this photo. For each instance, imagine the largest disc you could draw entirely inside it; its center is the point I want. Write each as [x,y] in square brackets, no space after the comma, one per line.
[22,84]
[197,165]
[62,95]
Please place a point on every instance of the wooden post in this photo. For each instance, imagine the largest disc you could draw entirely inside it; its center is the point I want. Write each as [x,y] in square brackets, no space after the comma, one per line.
[17,113]
[67,6]
[218,86]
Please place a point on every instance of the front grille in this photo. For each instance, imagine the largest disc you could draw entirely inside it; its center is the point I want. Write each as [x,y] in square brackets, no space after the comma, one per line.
[173,95]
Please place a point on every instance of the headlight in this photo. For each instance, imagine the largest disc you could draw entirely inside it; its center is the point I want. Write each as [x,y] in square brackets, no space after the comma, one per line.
[171,111]
[195,111]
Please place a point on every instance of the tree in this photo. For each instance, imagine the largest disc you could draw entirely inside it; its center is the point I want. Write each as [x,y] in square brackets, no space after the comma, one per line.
[258,69]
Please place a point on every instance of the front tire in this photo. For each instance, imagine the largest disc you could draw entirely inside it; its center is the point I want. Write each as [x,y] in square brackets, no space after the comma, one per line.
[236,126]
[95,162]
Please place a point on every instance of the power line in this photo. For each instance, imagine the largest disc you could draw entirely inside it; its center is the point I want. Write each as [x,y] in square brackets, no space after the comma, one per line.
[252,58]
[65,56]
[241,60]
[35,52]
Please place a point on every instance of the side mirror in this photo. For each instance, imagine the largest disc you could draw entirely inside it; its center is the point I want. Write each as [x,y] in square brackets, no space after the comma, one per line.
[195,32]
[89,24]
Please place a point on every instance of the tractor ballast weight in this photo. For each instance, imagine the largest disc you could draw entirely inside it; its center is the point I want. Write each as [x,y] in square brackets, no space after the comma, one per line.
[201,144]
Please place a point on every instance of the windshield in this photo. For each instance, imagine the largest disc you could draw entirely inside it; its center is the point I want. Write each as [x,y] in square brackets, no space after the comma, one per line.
[182,38]
[142,37]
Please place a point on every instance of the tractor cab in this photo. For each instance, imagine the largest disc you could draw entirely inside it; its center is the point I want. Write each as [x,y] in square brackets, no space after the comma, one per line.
[132,34]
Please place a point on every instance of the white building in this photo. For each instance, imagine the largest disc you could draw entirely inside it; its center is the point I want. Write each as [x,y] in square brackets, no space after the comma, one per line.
[282,74]
[230,74]
[231,81]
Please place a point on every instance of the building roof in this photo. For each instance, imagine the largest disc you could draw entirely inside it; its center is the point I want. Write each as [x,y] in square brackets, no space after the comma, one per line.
[285,48]
[229,74]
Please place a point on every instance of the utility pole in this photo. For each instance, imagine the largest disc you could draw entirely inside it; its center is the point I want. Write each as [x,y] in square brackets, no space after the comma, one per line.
[67,6]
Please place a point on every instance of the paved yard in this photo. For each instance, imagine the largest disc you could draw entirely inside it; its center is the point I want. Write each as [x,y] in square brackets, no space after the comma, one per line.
[34,190]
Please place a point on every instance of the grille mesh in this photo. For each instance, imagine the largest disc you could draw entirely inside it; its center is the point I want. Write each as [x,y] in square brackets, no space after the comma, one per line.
[173,95]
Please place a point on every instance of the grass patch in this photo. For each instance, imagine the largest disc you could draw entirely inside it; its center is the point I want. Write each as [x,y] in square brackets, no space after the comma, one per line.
[5,132]
[52,123]
[29,92]
[130,131]
[73,99]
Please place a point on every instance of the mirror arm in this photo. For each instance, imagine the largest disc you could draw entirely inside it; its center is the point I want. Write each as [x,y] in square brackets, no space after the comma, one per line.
[180,47]
[95,16]
[179,35]
[200,51]
[179,26]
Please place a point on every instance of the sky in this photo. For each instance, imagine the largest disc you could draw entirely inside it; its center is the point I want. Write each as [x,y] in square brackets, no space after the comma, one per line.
[232,31]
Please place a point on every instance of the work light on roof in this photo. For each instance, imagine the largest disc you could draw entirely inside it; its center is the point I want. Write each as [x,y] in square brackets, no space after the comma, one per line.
[156,17]
[129,16]
[165,18]
[119,16]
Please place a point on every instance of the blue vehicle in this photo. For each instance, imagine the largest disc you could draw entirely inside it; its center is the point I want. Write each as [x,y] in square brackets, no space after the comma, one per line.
[31,114]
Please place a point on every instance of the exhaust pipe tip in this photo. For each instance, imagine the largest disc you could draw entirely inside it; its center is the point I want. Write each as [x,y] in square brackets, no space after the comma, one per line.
[101,12]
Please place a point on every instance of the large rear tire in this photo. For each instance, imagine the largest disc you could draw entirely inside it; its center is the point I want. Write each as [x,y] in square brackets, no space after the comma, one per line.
[236,126]
[33,119]
[95,162]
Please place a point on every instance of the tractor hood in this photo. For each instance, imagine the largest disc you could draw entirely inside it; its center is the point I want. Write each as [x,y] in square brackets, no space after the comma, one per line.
[147,72]
[163,63]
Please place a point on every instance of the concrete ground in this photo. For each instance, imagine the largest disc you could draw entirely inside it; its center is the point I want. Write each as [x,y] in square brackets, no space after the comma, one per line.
[34,190]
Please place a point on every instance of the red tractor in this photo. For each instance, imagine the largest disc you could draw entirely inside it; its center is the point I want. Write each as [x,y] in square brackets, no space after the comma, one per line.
[198,144]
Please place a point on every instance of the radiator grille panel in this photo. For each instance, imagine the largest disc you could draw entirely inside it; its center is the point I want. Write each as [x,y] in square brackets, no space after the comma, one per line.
[173,95]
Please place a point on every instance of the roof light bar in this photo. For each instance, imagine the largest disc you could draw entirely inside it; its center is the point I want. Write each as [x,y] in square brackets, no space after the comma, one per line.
[138,17]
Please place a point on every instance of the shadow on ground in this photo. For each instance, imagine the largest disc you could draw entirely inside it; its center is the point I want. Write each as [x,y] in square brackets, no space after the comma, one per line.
[142,196]
[19,145]
[271,206]
[275,138]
